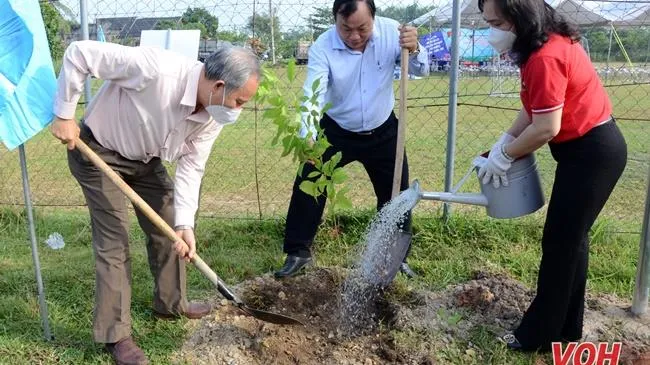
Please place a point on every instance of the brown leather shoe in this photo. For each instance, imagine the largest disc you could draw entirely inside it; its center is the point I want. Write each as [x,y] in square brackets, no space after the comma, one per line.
[195,310]
[126,352]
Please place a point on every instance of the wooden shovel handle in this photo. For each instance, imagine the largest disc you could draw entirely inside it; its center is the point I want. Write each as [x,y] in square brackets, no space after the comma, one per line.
[401,126]
[148,211]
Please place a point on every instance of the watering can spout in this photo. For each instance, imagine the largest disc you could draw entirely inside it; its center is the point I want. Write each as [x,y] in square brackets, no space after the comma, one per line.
[463,198]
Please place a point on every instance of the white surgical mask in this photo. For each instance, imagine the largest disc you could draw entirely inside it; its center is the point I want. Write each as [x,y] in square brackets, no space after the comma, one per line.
[501,40]
[222,114]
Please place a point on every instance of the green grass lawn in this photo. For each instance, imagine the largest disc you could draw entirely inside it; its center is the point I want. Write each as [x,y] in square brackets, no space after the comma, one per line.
[241,249]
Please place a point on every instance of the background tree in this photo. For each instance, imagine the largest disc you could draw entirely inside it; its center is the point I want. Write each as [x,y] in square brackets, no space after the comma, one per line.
[232,36]
[319,21]
[194,18]
[56,28]
[288,44]
[259,26]
[635,40]
[404,14]
[256,45]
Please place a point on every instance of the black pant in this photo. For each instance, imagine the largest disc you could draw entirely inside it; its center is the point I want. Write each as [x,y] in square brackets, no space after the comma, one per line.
[587,170]
[376,151]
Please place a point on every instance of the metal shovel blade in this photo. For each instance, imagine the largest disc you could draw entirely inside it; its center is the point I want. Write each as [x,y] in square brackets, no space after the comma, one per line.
[395,255]
[269,317]
[259,314]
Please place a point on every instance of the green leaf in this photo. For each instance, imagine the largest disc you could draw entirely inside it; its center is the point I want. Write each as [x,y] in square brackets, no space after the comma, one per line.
[322,181]
[297,121]
[308,187]
[330,190]
[313,174]
[327,107]
[291,70]
[287,143]
[272,113]
[343,202]
[315,85]
[339,176]
[336,159]
[276,100]
[327,168]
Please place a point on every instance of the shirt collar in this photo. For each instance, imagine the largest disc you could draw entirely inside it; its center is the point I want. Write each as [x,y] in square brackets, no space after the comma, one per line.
[191,90]
[337,42]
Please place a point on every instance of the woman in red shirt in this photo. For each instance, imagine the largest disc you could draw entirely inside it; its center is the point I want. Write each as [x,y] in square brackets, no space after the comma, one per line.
[566,106]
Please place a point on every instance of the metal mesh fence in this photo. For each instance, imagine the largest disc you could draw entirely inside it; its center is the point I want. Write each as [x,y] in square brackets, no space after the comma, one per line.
[246,177]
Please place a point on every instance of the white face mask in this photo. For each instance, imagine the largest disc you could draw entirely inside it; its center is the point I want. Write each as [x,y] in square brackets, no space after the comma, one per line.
[501,40]
[222,114]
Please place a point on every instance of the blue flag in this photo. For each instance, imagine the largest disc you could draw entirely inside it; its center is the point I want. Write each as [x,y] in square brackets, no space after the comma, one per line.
[27,80]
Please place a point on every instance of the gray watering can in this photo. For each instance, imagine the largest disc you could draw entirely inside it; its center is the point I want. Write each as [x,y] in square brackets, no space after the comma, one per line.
[522,196]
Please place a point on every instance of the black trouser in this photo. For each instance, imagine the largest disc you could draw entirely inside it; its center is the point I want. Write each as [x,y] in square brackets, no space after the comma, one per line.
[375,151]
[587,171]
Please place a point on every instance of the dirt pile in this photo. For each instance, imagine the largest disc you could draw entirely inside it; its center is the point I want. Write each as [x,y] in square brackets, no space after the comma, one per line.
[428,320]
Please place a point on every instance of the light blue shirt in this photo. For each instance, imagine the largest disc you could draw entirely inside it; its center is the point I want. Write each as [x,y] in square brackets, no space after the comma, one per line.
[359,85]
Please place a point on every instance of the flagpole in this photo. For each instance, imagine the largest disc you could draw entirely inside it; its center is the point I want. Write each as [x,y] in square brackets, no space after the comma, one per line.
[32,235]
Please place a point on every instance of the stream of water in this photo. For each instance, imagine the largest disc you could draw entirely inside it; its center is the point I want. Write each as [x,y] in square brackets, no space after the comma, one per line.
[377,265]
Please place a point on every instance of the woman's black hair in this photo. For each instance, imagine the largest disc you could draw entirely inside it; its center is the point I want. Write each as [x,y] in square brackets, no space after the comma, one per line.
[347,7]
[533,20]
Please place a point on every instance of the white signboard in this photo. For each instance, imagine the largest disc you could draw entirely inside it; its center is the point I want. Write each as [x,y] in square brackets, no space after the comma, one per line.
[185,42]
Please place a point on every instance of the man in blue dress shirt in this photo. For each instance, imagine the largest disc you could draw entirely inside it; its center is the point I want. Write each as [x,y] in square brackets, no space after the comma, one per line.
[354,61]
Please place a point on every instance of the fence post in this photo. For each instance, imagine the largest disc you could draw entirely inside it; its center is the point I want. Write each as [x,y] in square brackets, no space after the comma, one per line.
[453,101]
[32,235]
[640,301]
[83,12]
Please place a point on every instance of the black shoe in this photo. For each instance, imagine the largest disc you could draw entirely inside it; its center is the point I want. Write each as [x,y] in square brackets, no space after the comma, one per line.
[406,270]
[511,341]
[292,265]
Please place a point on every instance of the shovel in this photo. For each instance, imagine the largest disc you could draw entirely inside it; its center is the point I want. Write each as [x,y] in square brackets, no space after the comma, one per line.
[171,234]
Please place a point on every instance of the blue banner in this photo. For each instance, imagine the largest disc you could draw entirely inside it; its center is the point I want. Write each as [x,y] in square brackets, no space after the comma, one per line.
[27,80]
[435,45]
[472,44]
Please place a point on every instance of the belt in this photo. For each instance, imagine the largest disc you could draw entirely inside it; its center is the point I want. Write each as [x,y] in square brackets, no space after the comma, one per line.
[365,133]
[327,121]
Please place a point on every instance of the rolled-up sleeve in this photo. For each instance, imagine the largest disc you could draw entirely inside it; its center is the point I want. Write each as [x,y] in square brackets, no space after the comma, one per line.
[130,67]
[189,173]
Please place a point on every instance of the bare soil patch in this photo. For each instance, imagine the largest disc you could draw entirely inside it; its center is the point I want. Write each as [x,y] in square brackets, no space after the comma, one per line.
[430,320]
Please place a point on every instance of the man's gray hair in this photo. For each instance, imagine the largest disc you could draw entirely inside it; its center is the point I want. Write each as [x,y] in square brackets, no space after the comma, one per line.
[233,65]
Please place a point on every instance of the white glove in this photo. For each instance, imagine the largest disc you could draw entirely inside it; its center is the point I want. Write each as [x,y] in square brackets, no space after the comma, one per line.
[497,163]
[505,139]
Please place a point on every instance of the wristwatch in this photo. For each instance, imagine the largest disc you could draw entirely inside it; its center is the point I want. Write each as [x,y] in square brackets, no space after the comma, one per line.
[415,53]
[182,228]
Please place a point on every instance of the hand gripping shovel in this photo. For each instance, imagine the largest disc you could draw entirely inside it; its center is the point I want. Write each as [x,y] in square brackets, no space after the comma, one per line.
[171,234]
